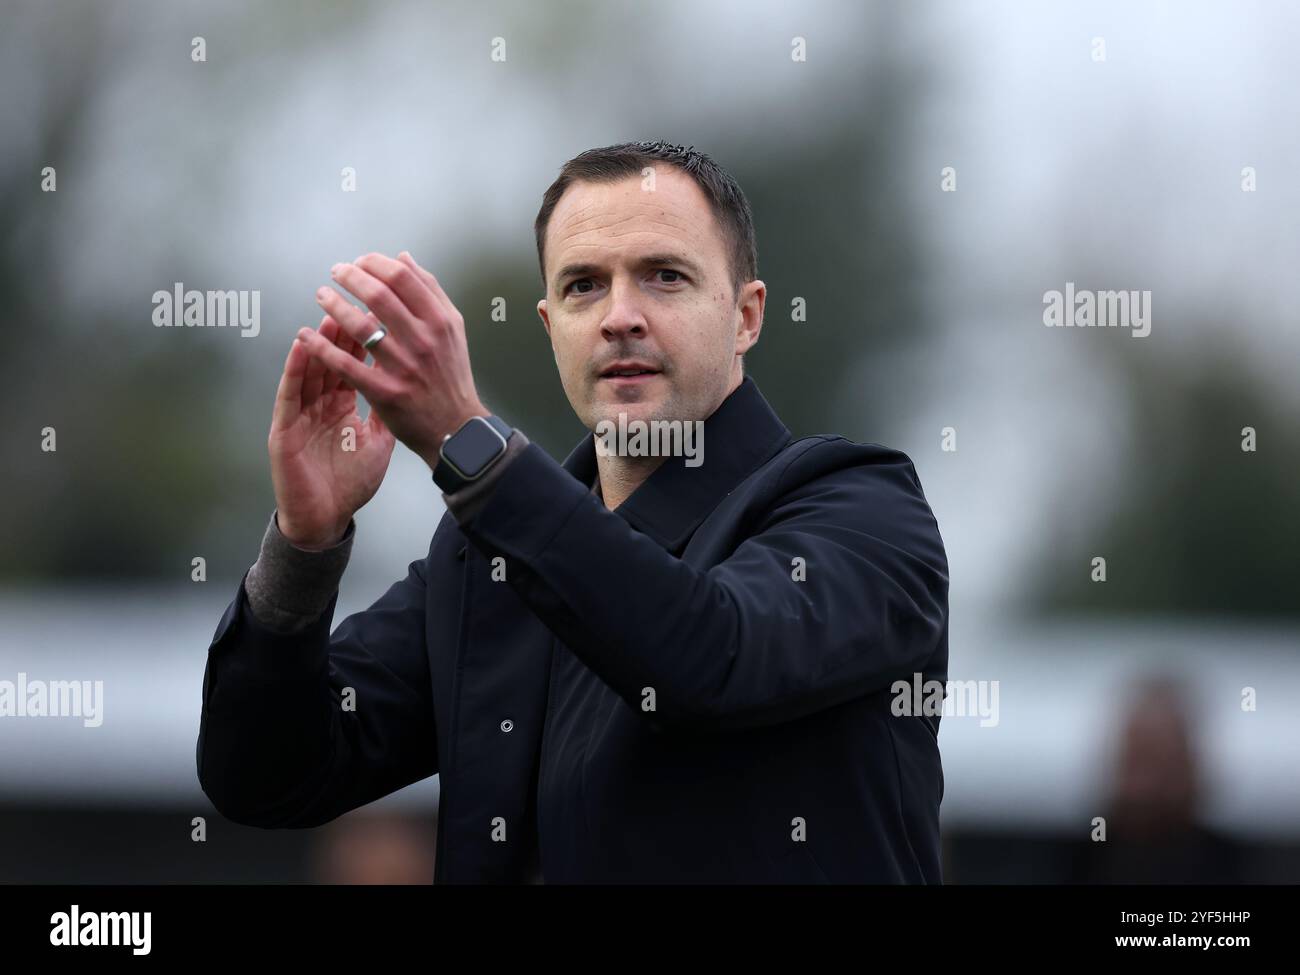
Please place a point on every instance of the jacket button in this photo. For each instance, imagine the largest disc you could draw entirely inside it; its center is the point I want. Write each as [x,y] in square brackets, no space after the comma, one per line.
[507,725]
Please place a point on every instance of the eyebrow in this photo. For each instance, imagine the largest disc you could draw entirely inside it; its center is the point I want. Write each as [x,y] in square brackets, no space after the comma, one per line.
[650,260]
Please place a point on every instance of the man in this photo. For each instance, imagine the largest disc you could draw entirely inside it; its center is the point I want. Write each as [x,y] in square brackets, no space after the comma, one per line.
[629,668]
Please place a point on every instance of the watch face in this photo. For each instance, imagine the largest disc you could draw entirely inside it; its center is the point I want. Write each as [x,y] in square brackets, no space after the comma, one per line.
[473,447]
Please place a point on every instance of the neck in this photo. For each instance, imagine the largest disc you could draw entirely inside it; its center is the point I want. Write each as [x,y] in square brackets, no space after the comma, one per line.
[620,476]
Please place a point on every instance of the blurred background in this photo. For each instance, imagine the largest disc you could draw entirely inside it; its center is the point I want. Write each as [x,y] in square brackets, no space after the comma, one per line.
[1162,700]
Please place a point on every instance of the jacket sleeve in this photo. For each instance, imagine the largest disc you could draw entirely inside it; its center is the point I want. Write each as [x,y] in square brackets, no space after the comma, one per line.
[747,642]
[299,728]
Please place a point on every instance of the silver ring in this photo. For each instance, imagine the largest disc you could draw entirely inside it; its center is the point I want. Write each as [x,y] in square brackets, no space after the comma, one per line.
[375,338]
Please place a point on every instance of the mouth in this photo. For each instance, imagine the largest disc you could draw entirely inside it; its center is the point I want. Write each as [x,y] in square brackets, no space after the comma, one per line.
[629,373]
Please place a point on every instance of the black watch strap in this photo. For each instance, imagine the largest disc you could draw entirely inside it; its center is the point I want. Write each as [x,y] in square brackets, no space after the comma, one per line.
[445,474]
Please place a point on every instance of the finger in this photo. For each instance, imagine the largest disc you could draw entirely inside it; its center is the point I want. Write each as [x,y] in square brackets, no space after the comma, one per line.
[353,349]
[405,282]
[288,396]
[358,352]
[429,280]
[363,378]
[334,381]
[313,383]
[359,325]
[376,294]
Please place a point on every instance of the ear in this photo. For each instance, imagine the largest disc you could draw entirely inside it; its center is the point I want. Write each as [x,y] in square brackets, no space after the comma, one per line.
[753,297]
[546,321]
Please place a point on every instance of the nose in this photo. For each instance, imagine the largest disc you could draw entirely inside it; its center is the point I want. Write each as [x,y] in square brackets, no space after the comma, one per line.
[624,318]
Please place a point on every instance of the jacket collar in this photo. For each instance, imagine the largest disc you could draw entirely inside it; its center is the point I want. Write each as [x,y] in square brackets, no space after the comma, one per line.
[743,433]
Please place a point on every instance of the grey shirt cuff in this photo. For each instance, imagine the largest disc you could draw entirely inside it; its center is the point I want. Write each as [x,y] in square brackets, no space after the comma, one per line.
[468,501]
[289,587]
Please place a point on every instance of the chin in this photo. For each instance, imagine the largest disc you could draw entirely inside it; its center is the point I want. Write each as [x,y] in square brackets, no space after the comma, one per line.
[636,408]
[633,411]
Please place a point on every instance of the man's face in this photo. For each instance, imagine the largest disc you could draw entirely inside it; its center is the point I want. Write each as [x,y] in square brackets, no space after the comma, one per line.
[640,279]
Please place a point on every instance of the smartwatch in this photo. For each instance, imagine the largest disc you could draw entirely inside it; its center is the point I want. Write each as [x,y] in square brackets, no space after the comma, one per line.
[470,452]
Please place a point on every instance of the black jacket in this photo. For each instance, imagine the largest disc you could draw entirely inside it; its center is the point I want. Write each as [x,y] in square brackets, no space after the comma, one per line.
[661,693]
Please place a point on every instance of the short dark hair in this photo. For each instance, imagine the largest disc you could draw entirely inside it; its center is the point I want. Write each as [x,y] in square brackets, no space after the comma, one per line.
[611,163]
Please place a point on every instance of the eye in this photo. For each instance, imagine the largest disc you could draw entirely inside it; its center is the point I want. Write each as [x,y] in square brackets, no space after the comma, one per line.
[574,284]
[668,270]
